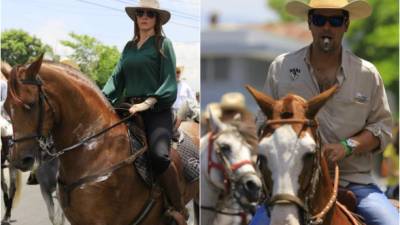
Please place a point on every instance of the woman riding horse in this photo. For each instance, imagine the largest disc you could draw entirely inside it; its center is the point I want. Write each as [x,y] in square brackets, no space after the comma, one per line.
[146,72]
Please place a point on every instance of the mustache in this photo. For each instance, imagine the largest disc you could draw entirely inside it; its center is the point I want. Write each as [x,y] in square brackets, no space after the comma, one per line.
[326,34]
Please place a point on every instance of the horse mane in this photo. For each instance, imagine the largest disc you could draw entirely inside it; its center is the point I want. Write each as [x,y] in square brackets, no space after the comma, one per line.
[79,76]
[248,131]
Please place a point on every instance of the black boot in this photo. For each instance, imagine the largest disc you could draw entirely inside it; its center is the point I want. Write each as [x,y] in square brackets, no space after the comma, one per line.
[169,180]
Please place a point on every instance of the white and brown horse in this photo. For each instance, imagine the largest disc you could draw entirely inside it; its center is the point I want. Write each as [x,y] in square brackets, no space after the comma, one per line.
[293,165]
[229,182]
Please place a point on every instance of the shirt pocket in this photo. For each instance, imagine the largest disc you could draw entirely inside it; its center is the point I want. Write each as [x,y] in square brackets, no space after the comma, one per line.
[347,111]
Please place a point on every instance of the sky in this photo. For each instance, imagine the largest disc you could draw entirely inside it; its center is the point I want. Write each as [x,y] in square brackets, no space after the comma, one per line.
[237,11]
[106,20]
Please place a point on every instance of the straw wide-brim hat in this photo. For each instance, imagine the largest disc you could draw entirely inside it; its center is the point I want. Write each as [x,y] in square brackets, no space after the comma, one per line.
[358,9]
[149,4]
[215,109]
[233,100]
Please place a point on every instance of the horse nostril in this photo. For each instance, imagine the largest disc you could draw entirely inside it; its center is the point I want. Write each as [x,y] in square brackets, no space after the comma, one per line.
[252,186]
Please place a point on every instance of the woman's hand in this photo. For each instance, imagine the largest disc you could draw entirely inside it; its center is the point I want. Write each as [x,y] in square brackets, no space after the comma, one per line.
[148,103]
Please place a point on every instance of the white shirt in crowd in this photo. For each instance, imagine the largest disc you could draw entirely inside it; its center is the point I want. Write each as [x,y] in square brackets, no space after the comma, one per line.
[185,93]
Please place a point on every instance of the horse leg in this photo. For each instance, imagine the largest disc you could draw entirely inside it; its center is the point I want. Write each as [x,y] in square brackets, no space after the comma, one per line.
[6,199]
[196,209]
[46,175]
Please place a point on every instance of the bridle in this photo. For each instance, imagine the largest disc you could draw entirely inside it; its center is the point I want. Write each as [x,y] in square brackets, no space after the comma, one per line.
[228,170]
[292,199]
[46,142]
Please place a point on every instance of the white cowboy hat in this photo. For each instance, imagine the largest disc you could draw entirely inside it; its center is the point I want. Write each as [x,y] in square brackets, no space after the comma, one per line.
[149,4]
[358,9]
[233,100]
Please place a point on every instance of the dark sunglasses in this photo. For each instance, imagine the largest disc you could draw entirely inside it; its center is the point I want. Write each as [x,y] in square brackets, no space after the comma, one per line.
[149,13]
[334,21]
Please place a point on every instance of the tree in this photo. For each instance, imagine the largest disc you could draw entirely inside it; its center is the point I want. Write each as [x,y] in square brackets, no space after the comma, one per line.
[374,38]
[94,58]
[18,47]
[279,7]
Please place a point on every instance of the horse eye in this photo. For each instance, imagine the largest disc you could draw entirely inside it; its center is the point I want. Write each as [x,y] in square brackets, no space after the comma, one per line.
[225,148]
[308,156]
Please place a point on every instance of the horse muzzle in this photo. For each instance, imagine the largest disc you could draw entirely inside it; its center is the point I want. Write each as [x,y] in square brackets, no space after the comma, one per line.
[23,161]
[249,189]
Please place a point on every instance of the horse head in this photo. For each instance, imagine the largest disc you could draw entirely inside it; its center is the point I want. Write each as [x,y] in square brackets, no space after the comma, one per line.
[53,105]
[288,151]
[29,111]
[230,165]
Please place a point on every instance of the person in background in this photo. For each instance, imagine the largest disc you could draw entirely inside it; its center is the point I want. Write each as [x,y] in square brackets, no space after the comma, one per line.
[233,104]
[390,166]
[185,93]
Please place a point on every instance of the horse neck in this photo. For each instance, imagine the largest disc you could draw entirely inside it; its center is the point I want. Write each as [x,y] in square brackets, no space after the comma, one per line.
[324,188]
[79,117]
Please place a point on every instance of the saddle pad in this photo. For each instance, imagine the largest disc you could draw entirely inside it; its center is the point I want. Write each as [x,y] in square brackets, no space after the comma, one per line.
[186,150]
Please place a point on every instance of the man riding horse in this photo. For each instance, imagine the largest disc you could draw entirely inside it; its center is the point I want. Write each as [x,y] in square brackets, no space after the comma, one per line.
[356,122]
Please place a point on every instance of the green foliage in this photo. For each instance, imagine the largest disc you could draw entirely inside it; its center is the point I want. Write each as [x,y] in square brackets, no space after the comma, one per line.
[376,39]
[279,7]
[94,58]
[18,47]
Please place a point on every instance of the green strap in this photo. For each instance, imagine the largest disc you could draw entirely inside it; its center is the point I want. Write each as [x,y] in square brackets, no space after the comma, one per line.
[347,148]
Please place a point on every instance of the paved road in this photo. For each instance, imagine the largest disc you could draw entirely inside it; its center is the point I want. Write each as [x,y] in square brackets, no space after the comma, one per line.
[31,209]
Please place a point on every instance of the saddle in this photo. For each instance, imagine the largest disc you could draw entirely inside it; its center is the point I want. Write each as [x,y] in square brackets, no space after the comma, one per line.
[183,146]
[347,201]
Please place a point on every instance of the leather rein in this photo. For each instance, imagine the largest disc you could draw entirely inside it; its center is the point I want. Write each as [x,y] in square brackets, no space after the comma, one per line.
[292,199]
[46,143]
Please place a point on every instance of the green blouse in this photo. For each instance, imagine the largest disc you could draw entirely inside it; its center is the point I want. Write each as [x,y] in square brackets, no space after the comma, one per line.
[144,72]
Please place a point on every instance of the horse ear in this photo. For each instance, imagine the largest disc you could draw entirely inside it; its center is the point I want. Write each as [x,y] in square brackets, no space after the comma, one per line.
[34,68]
[265,102]
[216,123]
[315,104]
[5,69]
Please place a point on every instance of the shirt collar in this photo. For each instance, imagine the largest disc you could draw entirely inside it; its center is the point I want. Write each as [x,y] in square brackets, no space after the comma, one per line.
[344,64]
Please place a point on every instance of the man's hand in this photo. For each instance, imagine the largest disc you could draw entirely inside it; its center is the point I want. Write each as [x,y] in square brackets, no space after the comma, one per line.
[334,152]
[148,103]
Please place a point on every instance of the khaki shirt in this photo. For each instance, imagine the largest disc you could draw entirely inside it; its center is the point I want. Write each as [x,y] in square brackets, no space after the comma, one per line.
[360,103]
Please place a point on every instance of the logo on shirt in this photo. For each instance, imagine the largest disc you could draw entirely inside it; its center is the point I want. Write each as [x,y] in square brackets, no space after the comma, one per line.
[294,73]
[361,98]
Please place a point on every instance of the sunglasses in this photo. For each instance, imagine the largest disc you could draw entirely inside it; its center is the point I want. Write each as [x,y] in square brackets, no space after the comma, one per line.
[148,13]
[334,21]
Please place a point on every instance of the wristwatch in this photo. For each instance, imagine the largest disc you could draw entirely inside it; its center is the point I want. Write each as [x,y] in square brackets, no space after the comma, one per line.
[349,146]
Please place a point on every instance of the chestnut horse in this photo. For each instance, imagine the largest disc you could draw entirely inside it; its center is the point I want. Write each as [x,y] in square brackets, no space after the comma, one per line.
[293,164]
[54,104]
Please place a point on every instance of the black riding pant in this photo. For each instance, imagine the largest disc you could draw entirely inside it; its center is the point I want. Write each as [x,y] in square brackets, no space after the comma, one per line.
[158,127]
